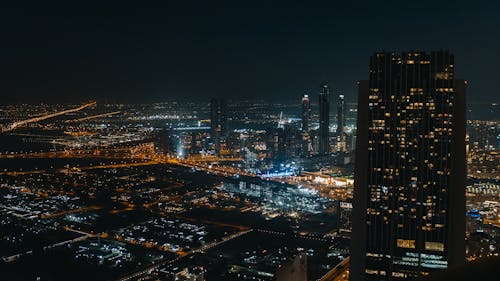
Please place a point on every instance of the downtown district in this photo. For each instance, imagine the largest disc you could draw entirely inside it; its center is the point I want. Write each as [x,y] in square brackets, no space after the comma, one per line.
[247,190]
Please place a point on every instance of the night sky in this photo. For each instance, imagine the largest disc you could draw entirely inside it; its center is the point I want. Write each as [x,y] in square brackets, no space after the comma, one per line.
[126,53]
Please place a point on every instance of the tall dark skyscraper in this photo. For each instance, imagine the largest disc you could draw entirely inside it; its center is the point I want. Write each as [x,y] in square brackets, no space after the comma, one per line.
[218,115]
[341,136]
[218,118]
[306,146]
[409,196]
[324,119]
[306,113]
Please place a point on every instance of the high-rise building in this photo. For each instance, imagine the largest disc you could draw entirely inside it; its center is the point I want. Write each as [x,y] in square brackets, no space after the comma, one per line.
[218,115]
[282,143]
[218,118]
[306,146]
[341,136]
[275,143]
[345,211]
[324,119]
[163,141]
[409,194]
[306,113]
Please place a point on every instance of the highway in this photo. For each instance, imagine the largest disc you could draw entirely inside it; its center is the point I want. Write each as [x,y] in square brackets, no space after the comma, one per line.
[46,116]
[29,252]
[214,244]
[339,273]
[73,211]
[92,117]
[158,265]
[296,235]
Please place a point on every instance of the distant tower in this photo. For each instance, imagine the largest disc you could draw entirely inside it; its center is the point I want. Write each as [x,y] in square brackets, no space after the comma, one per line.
[218,115]
[275,142]
[409,189]
[306,120]
[163,142]
[218,118]
[324,119]
[306,113]
[341,136]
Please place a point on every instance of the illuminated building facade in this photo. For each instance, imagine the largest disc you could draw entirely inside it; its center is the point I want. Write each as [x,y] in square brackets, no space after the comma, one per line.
[306,113]
[345,210]
[306,120]
[409,196]
[341,136]
[282,143]
[324,119]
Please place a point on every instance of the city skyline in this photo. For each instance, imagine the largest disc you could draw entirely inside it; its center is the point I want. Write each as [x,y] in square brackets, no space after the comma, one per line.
[214,141]
[124,177]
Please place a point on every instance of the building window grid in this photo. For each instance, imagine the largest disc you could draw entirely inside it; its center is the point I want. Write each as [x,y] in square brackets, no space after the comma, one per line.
[379,143]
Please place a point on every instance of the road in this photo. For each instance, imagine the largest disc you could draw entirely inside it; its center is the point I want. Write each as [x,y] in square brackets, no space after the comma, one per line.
[72,211]
[92,117]
[158,265]
[29,252]
[214,244]
[47,116]
[296,235]
[339,273]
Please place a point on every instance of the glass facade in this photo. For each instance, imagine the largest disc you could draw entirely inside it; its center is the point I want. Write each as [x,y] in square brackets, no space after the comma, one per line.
[411,161]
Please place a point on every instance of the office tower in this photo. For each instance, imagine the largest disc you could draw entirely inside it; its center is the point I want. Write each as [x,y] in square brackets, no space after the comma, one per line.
[218,115]
[163,142]
[351,140]
[291,141]
[306,119]
[218,118]
[283,143]
[275,143]
[306,113]
[409,195]
[341,136]
[324,119]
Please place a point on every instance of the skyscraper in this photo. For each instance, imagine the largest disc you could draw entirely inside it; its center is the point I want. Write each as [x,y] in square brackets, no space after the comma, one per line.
[306,113]
[218,118]
[341,136]
[218,115]
[409,196]
[283,143]
[324,119]
[306,146]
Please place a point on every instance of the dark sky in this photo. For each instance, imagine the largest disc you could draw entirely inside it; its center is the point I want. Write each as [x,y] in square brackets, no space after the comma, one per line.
[127,53]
